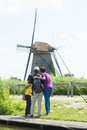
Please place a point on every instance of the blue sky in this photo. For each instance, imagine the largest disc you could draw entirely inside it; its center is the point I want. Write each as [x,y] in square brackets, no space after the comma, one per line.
[61,23]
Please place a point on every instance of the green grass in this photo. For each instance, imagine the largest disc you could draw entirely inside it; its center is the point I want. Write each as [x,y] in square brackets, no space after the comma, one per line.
[59,110]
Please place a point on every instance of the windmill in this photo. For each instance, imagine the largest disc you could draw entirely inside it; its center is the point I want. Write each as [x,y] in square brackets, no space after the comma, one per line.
[42,55]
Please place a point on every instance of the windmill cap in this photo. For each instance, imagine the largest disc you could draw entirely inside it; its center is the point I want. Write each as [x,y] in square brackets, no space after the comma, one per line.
[36,68]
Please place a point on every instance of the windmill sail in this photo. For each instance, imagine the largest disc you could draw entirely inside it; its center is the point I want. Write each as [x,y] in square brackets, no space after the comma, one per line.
[31,45]
[57,63]
[63,62]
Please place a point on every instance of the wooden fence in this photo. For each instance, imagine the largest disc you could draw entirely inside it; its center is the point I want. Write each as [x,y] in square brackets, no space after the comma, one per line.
[70,86]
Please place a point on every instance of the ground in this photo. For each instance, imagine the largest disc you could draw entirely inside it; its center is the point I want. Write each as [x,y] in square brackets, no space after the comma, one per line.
[75,101]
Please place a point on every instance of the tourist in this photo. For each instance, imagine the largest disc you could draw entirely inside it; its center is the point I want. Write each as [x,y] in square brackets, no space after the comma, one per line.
[28,93]
[36,95]
[48,87]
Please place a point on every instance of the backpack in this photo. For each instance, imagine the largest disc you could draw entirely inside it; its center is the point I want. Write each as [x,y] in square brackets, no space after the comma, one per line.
[37,85]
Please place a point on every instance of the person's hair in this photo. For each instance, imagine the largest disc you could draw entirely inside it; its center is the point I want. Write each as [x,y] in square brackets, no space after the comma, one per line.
[43,69]
[36,69]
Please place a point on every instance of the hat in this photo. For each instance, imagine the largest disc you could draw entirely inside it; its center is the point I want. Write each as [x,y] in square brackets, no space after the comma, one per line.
[36,68]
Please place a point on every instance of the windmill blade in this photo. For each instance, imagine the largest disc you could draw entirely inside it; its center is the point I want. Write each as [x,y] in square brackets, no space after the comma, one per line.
[57,63]
[64,62]
[34,27]
[23,46]
[31,45]
[27,65]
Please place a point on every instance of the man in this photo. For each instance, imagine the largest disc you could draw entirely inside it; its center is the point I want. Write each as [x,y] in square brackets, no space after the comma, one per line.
[36,92]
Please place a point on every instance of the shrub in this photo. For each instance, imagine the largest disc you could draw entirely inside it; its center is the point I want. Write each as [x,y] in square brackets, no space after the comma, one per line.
[4,98]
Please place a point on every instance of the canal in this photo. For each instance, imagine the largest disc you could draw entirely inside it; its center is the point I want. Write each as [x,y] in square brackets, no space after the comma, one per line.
[7,127]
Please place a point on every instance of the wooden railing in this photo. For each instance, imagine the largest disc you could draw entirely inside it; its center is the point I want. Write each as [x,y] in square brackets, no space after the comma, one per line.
[70,86]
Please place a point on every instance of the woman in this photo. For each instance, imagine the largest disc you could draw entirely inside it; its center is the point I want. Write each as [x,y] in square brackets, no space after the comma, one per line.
[48,87]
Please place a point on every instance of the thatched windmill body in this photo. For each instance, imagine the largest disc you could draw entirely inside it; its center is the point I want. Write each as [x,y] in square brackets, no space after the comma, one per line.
[42,56]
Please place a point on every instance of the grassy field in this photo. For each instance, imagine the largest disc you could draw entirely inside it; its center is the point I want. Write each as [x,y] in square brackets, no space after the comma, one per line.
[62,108]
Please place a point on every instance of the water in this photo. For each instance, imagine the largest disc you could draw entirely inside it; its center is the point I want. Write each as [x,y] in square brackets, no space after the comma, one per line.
[6,127]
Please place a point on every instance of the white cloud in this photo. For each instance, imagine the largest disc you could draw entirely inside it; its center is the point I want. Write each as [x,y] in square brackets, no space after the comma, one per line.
[19,5]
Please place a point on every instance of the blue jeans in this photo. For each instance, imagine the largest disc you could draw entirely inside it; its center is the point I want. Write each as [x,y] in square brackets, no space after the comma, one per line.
[47,94]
